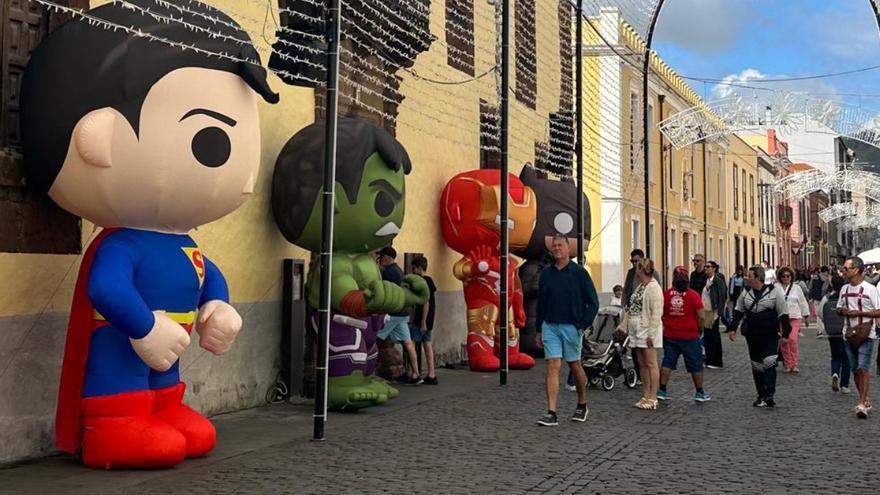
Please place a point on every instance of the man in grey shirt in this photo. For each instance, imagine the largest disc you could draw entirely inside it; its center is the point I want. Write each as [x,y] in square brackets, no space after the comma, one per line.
[762,310]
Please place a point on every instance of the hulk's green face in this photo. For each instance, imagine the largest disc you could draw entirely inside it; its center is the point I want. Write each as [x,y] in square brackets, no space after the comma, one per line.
[369,223]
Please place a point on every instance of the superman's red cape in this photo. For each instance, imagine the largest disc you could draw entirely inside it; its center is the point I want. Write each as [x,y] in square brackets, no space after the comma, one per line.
[68,415]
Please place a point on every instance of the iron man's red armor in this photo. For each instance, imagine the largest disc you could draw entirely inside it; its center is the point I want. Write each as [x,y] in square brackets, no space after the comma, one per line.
[470,215]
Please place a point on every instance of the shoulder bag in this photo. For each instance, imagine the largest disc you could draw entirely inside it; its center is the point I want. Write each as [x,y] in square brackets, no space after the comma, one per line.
[744,327]
[857,335]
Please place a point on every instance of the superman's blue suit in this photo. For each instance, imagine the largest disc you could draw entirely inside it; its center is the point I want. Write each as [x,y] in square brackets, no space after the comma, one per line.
[126,275]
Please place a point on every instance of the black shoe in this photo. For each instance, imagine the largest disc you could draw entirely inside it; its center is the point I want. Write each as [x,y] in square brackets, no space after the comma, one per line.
[770,402]
[548,420]
[402,378]
[429,380]
[580,414]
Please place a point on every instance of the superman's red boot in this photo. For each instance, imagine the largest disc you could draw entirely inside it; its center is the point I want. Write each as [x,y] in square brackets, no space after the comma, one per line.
[199,432]
[480,354]
[120,432]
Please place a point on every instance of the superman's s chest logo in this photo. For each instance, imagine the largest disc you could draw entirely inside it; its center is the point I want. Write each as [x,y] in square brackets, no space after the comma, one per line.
[198,262]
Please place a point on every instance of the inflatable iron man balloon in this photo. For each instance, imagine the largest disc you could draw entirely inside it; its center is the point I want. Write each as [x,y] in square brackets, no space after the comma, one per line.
[470,208]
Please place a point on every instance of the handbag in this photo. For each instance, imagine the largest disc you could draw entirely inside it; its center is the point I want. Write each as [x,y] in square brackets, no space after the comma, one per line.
[857,335]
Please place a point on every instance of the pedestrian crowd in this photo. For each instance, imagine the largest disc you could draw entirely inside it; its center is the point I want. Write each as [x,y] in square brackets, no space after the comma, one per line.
[769,307]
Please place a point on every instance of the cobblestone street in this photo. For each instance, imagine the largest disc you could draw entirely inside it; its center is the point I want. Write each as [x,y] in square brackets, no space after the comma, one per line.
[471,436]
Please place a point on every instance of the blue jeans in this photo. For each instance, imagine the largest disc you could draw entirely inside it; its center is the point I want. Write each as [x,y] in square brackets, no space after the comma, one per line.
[839,361]
[860,358]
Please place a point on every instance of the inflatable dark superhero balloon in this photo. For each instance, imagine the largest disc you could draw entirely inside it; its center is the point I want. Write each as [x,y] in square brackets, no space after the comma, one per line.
[557,211]
[148,141]
[469,214]
[369,212]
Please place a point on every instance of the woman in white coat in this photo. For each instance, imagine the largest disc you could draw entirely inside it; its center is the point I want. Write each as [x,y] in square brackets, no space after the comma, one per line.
[798,308]
[645,330]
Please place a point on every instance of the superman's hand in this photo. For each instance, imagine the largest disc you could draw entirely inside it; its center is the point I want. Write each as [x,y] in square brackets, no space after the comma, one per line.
[218,326]
[163,345]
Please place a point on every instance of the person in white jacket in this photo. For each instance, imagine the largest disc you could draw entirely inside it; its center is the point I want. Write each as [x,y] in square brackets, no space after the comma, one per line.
[798,308]
[645,328]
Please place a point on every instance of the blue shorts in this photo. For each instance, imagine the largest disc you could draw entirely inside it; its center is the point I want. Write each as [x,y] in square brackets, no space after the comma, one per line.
[690,349]
[417,335]
[561,340]
[397,329]
[859,358]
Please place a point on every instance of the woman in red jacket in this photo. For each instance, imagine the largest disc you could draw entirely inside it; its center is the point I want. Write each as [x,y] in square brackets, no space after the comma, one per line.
[681,333]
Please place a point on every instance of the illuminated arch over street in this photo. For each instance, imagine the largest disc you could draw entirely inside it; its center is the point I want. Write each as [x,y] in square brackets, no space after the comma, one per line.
[801,184]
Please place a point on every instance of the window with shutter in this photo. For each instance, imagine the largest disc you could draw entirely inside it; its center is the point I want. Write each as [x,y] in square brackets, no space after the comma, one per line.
[490,136]
[29,221]
[460,35]
[385,38]
[526,55]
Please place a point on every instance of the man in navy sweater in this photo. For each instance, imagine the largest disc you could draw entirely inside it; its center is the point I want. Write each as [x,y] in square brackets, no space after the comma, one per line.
[567,304]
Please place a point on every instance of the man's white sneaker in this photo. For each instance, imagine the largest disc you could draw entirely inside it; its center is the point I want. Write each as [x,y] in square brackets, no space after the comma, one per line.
[835,382]
[844,390]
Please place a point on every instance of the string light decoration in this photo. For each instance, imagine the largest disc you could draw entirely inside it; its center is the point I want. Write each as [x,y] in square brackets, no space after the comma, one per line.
[837,211]
[800,184]
[381,42]
[782,110]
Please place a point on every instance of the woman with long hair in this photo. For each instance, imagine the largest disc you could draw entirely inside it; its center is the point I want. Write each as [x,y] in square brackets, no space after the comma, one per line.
[645,329]
[798,308]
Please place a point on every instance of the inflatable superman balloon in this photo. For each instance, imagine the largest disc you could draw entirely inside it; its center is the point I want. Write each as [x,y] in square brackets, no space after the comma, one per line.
[148,141]
[369,212]
[469,213]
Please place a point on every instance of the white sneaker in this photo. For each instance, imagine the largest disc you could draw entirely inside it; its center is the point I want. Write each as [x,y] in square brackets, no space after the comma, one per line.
[835,382]
[571,388]
[844,390]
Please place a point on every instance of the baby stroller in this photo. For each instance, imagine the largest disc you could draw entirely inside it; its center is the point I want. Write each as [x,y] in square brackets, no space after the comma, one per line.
[604,351]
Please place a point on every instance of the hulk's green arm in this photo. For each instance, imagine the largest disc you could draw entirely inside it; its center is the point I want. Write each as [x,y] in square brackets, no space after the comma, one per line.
[342,282]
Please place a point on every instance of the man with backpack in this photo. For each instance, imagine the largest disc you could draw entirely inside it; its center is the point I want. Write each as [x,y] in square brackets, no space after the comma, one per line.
[834,324]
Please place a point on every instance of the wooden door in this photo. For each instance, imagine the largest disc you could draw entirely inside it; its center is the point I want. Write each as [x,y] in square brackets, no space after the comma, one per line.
[29,221]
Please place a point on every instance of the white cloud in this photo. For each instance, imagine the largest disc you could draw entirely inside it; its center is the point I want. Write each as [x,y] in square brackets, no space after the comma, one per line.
[724,89]
[751,77]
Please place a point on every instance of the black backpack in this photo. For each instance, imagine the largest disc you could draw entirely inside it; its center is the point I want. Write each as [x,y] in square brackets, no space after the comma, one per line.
[816,289]
[833,322]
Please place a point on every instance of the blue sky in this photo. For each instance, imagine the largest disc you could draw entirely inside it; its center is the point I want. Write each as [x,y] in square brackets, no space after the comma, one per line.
[773,39]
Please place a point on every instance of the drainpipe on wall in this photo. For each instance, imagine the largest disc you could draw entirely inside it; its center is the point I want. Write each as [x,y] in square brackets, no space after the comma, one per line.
[663,220]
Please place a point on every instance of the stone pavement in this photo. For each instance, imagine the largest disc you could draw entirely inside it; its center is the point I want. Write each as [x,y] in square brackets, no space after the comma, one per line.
[469,435]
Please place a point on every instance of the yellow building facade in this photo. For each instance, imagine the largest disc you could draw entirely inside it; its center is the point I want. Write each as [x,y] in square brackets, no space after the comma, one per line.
[443,122]
[743,206]
[688,187]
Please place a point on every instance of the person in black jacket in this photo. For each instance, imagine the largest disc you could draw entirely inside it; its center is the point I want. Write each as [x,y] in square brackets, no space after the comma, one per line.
[762,310]
[714,295]
[567,304]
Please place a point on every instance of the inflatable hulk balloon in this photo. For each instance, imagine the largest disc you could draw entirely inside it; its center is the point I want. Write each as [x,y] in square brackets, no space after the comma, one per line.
[149,141]
[369,210]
